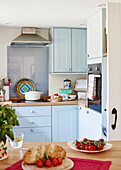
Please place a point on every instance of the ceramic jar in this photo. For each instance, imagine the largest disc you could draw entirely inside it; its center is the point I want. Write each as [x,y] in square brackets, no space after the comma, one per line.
[3,151]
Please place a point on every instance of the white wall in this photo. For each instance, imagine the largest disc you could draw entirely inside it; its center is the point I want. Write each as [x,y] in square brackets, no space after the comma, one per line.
[56,82]
[6,36]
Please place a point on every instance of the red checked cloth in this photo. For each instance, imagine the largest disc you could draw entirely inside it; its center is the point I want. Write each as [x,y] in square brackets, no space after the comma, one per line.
[79,164]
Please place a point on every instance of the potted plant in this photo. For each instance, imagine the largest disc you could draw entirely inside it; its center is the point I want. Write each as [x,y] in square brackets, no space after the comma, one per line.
[8,119]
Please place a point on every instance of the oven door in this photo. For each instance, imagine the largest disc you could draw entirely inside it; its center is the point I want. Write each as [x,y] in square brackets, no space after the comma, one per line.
[94,94]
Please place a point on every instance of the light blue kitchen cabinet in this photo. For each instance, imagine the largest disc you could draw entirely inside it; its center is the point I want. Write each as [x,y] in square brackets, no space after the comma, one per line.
[62,50]
[83,123]
[36,134]
[79,50]
[35,123]
[90,122]
[67,52]
[64,123]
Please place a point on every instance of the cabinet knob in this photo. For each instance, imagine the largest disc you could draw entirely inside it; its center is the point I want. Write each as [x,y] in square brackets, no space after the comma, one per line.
[74,108]
[87,112]
[31,111]
[31,122]
[31,130]
[80,108]
[87,55]
[69,69]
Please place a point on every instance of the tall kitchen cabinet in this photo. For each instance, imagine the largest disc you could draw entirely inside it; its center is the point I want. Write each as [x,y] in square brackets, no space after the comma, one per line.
[67,52]
[113,71]
[64,123]
[96,37]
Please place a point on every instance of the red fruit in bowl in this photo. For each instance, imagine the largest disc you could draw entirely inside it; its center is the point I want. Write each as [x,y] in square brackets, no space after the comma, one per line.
[56,94]
[48,163]
[78,146]
[55,162]
[82,147]
[39,164]
[43,161]
[2,154]
[52,158]
[59,161]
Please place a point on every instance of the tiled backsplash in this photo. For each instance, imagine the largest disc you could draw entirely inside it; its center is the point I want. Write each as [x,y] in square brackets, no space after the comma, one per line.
[31,63]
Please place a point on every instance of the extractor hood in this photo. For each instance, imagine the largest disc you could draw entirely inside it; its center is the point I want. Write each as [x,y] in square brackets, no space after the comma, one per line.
[30,38]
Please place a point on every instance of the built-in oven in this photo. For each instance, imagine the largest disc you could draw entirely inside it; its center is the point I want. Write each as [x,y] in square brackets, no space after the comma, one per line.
[94,93]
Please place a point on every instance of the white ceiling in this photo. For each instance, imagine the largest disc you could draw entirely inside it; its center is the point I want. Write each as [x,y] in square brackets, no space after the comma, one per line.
[47,13]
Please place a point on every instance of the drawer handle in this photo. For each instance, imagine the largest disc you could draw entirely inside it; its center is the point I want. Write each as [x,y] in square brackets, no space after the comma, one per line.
[31,122]
[69,69]
[31,130]
[31,111]
[80,108]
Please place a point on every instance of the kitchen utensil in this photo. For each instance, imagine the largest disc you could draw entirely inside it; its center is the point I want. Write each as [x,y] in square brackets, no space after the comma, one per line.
[24,85]
[67,164]
[106,147]
[6,88]
[67,84]
[65,96]
[33,95]
[56,98]
[72,97]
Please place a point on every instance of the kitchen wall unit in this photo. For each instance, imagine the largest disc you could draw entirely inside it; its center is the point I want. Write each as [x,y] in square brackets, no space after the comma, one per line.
[96,37]
[64,123]
[67,53]
[90,124]
[35,123]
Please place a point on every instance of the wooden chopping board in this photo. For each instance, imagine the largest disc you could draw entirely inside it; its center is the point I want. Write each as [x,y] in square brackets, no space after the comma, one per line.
[66,165]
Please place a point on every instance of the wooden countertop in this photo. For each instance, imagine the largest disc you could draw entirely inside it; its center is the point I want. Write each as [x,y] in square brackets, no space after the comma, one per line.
[73,102]
[114,154]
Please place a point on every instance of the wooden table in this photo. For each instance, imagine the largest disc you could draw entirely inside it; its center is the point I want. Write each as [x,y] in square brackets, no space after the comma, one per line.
[114,154]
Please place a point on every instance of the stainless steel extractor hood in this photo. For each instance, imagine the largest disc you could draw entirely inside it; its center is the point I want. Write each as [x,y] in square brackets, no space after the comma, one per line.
[29,37]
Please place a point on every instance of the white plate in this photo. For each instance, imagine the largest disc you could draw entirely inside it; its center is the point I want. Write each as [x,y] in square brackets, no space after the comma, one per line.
[106,147]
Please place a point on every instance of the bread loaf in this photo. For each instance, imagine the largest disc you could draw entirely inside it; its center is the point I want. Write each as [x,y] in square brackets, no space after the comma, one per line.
[32,155]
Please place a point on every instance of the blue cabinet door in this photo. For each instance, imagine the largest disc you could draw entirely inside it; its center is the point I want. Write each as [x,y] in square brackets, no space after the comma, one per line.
[35,134]
[62,50]
[79,50]
[64,120]
[83,123]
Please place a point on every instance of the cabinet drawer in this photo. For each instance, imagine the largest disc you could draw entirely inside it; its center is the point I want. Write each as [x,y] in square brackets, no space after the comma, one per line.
[33,111]
[41,134]
[34,121]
